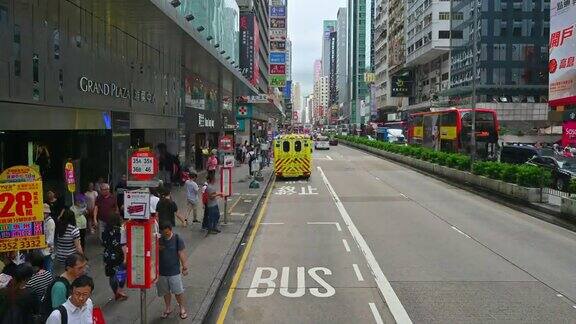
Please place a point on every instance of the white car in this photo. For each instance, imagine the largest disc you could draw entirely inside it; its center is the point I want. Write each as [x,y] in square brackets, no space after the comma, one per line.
[322,143]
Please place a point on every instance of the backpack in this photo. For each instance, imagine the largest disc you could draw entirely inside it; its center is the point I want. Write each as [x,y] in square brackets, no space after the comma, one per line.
[63,314]
[46,302]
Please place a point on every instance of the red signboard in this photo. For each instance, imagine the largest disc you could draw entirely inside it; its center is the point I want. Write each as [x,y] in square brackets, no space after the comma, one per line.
[569,133]
[277,69]
[225,144]
[142,165]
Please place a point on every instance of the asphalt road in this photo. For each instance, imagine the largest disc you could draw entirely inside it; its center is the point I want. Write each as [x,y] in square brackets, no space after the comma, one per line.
[370,241]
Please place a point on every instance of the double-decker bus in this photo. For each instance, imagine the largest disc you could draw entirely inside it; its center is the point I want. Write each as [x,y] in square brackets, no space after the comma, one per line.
[450,131]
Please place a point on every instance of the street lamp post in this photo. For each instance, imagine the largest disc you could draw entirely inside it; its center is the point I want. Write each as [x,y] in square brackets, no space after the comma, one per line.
[474,73]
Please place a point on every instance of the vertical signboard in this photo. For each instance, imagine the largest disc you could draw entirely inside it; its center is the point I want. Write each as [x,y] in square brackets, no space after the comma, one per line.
[562,80]
[249,47]
[277,42]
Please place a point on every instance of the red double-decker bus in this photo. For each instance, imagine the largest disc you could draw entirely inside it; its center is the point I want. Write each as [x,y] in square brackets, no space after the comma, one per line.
[450,131]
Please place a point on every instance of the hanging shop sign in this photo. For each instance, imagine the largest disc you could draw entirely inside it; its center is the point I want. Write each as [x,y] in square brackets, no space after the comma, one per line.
[244,111]
[277,34]
[70,177]
[249,47]
[277,58]
[277,80]
[203,121]
[225,144]
[112,89]
[277,22]
[278,69]
[277,46]
[21,210]
[277,11]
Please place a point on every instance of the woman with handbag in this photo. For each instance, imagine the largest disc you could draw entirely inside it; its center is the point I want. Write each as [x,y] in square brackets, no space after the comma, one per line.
[114,241]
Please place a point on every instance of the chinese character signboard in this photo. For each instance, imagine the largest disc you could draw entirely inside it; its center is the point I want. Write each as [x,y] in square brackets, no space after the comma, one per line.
[277,68]
[277,80]
[142,168]
[277,11]
[21,210]
[400,86]
[249,47]
[277,42]
[562,80]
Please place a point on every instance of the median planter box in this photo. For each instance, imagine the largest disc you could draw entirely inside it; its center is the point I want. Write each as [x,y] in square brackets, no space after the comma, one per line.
[532,195]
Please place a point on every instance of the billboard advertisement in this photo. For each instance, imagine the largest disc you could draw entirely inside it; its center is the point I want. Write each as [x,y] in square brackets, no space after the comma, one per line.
[562,70]
[277,22]
[249,47]
[276,34]
[277,58]
[277,80]
[277,68]
[277,11]
[401,85]
[288,90]
[277,46]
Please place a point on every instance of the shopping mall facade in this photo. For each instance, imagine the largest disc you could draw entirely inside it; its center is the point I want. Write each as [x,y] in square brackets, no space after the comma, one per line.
[85,81]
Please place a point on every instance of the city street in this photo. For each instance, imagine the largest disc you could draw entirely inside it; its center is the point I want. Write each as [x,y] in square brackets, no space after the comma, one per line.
[367,240]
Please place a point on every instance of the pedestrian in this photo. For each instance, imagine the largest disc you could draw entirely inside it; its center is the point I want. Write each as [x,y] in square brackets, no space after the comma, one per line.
[67,236]
[205,204]
[55,203]
[18,305]
[121,187]
[114,256]
[192,193]
[251,156]
[42,278]
[212,163]
[60,289]
[244,151]
[167,209]
[104,208]
[91,196]
[9,260]
[172,266]
[165,164]
[78,307]
[154,199]
[264,149]
[49,230]
[212,205]
[98,185]
[80,211]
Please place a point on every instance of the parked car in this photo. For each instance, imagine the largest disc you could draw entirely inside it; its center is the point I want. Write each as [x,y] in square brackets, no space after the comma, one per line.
[562,169]
[519,154]
[321,143]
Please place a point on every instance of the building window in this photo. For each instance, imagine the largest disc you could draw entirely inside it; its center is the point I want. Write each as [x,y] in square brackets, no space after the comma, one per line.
[17,51]
[444,15]
[443,34]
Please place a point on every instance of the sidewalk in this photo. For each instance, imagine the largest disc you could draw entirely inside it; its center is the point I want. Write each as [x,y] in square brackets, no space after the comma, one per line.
[208,258]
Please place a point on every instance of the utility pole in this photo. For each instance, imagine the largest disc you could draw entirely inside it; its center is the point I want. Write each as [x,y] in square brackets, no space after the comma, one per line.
[474,73]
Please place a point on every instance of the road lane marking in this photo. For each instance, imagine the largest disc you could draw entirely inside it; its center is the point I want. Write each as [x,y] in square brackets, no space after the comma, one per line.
[327,223]
[236,278]
[396,308]
[346,246]
[237,214]
[403,195]
[376,313]
[376,178]
[358,273]
[329,157]
[459,231]
[247,200]
[271,223]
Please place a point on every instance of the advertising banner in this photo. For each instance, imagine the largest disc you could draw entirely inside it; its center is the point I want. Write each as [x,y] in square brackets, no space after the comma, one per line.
[400,86]
[277,58]
[21,216]
[70,177]
[288,90]
[249,47]
[278,69]
[562,70]
[569,133]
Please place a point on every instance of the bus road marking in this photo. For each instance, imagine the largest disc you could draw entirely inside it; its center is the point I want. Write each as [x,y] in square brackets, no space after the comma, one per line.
[327,223]
[376,313]
[386,290]
[358,273]
[346,246]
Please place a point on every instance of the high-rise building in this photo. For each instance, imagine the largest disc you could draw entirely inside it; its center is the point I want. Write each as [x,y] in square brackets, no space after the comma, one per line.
[427,39]
[328,26]
[321,100]
[288,59]
[342,61]
[297,97]
[333,67]
[512,59]
[382,82]
[360,55]
[260,10]
[317,69]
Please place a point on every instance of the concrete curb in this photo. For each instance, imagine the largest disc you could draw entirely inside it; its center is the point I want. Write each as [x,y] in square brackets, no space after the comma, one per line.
[206,305]
[537,211]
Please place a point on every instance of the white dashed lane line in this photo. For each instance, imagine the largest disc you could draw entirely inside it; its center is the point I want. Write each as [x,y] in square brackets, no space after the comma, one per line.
[346,246]
[327,223]
[376,313]
[358,273]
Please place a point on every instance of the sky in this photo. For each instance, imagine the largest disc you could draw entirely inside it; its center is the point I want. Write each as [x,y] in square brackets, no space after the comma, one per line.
[305,31]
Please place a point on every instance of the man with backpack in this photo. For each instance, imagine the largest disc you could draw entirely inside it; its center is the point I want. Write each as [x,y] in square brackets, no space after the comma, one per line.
[60,289]
[78,308]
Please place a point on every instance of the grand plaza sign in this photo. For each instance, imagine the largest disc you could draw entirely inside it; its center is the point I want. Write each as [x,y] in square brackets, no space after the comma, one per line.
[112,89]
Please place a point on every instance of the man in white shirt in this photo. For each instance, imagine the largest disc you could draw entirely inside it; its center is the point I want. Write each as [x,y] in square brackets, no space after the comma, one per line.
[49,229]
[192,193]
[78,308]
